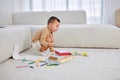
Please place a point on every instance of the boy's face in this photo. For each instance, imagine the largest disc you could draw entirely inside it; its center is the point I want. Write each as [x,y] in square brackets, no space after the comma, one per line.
[54,26]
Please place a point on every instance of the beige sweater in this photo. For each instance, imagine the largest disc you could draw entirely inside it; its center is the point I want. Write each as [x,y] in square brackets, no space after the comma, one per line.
[44,35]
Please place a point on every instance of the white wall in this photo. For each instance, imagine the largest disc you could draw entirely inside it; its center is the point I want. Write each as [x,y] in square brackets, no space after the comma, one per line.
[10,5]
[17,5]
[6,5]
[14,5]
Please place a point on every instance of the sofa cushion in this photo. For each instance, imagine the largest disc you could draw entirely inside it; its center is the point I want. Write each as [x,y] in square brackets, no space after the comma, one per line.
[11,36]
[30,18]
[6,18]
[70,17]
[40,18]
[96,35]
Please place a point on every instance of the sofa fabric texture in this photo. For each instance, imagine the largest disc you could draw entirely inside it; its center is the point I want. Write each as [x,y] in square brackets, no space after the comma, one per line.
[6,18]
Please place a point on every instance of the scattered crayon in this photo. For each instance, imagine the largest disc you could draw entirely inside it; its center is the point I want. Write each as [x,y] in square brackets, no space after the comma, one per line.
[53,65]
[22,66]
[43,64]
[31,62]
[31,67]
[24,60]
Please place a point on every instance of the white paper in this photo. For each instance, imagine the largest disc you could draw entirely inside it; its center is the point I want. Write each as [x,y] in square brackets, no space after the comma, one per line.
[18,56]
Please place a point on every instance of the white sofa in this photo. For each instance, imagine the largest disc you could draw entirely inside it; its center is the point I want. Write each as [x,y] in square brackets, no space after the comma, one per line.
[100,41]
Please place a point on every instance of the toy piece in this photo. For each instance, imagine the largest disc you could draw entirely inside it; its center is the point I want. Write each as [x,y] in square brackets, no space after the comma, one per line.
[31,67]
[49,67]
[43,64]
[22,66]
[24,60]
[52,62]
[60,59]
[37,64]
[31,62]
[38,60]
[62,53]
[53,58]
[75,53]
[68,58]
[35,61]
[79,54]
[84,54]
[53,65]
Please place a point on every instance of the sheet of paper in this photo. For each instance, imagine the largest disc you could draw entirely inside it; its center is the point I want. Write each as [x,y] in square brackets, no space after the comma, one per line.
[18,56]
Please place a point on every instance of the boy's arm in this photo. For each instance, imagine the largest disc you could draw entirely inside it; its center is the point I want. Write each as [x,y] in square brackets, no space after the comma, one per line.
[44,36]
[36,37]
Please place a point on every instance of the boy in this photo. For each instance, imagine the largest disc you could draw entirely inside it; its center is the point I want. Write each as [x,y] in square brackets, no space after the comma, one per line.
[45,35]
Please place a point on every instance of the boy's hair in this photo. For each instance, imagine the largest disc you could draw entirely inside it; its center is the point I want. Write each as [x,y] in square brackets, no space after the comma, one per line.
[52,19]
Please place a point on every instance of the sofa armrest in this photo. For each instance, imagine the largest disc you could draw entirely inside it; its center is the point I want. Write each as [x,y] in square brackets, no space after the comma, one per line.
[11,36]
